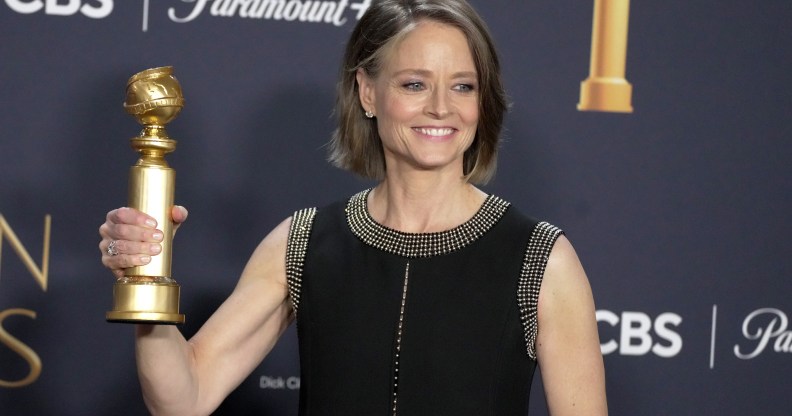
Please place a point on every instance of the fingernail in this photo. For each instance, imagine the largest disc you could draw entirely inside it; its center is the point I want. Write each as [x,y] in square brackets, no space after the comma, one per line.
[145,259]
[151,223]
[154,248]
[157,236]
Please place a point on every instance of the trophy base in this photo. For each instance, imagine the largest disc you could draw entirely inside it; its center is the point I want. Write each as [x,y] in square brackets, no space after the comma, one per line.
[612,95]
[146,303]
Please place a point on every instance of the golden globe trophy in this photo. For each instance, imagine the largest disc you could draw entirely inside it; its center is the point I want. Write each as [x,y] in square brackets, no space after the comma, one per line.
[148,294]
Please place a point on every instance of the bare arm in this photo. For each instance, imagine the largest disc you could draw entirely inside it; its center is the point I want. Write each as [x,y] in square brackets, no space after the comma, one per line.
[181,377]
[567,342]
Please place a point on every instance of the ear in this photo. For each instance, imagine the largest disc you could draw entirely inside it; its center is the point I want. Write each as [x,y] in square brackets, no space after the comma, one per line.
[366,90]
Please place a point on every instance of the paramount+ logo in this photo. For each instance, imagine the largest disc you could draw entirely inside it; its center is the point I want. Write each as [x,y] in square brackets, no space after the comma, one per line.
[95,9]
[765,329]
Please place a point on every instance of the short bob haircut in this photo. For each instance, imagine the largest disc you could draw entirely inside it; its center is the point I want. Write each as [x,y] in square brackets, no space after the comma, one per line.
[356,144]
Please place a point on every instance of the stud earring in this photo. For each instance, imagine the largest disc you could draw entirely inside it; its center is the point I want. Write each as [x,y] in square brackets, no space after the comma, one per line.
[369,114]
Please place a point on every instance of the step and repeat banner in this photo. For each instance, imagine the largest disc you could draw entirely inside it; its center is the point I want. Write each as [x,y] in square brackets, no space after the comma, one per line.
[680,211]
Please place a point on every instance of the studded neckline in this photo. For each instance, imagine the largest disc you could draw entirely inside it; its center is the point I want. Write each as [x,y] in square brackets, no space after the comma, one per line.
[415,245]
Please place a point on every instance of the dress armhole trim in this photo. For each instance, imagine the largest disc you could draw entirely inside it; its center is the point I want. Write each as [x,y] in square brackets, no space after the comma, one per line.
[296,248]
[542,239]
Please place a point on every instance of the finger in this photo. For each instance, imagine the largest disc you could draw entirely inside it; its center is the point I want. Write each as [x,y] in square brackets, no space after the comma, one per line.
[131,247]
[127,215]
[118,223]
[131,233]
[179,214]
[125,261]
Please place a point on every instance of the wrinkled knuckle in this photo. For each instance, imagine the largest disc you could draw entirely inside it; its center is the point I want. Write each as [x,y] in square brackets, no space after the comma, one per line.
[123,214]
[122,232]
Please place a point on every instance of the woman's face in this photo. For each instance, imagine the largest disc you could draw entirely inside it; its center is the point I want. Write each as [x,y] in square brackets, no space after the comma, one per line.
[425,99]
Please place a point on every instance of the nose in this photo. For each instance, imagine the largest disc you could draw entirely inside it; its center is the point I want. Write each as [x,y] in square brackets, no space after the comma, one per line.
[438,105]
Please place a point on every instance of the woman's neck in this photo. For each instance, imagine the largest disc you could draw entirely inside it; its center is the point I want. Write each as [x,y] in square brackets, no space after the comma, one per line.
[424,202]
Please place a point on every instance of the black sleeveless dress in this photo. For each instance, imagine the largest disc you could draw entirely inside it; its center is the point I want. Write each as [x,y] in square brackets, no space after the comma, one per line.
[392,323]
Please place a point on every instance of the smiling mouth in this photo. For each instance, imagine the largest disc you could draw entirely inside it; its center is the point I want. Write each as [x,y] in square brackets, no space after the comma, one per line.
[435,132]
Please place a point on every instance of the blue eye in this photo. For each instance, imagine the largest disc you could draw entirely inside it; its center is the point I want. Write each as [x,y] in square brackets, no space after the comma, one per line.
[413,86]
[465,87]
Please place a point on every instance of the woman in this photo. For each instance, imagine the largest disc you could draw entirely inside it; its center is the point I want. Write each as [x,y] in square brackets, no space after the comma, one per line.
[430,296]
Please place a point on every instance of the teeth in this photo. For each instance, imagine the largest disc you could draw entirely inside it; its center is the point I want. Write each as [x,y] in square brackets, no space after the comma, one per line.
[436,132]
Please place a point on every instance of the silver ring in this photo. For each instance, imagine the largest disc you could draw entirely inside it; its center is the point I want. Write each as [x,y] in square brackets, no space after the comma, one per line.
[111,249]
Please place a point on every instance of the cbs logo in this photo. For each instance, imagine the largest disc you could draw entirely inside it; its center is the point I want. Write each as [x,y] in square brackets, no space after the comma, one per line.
[639,334]
[95,9]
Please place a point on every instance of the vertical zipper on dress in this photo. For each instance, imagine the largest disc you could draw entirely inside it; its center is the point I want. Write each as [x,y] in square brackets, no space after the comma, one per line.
[399,329]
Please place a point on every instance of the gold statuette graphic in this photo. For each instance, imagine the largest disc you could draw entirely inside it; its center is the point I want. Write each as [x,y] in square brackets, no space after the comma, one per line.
[606,89]
[148,294]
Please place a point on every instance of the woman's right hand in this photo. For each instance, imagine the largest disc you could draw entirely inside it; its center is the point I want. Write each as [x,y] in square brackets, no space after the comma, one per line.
[135,236]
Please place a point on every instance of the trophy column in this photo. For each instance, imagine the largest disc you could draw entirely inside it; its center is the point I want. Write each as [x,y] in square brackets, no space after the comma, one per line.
[148,294]
[606,89]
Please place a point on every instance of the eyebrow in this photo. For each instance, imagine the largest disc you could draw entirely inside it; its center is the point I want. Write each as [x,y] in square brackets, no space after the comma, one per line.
[426,73]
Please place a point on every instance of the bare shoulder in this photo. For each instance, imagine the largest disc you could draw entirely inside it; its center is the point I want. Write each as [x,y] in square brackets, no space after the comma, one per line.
[565,294]
[564,275]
